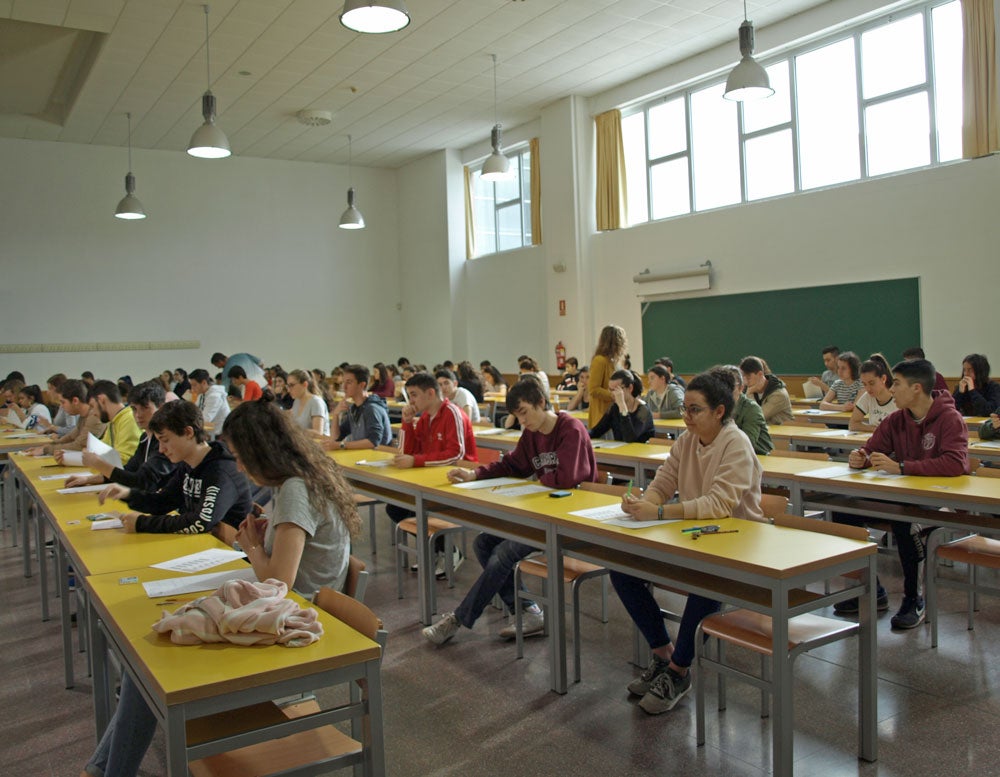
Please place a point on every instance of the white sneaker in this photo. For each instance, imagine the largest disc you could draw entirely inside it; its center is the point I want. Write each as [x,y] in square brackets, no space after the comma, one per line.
[443,630]
[531,623]
[457,559]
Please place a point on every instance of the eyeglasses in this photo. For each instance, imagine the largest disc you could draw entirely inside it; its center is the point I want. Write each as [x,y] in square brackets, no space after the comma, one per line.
[289,384]
[692,409]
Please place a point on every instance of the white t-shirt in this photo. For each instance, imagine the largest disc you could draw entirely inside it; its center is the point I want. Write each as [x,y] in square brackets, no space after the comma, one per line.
[303,415]
[875,412]
[464,399]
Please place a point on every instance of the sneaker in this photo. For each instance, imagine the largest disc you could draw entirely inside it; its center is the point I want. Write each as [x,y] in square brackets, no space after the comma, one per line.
[443,630]
[911,613]
[457,559]
[641,684]
[665,691]
[850,606]
[532,622]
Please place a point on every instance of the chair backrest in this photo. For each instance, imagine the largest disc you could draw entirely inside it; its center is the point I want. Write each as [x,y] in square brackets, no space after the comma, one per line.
[604,488]
[357,579]
[773,505]
[788,454]
[349,611]
[823,527]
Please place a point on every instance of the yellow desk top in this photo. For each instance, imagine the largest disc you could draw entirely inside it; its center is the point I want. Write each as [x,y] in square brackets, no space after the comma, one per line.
[818,416]
[184,673]
[8,444]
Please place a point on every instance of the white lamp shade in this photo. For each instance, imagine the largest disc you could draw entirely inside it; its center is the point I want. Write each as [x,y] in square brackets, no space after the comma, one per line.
[748,81]
[209,142]
[351,218]
[496,167]
[374,16]
[130,208]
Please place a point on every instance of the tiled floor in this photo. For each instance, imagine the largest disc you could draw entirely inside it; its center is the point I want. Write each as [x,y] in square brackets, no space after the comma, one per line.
[471,708]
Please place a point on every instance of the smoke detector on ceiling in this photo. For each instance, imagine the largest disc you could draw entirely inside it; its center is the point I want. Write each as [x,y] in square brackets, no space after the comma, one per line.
[313,118]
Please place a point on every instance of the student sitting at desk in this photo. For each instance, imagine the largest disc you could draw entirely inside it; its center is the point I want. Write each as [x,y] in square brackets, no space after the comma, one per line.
[668,363]
[846,388]
[747,414]
[122,432]
[976,394]
[206,487]
[282,398]
[61,423]
[990,428]
[309,411]
[75,401]
[250,390]
[31,413]
[581,399]
[716,474]
[926,436]
[210,398]
[493,380]
[568,382]
[470,380]
[628,418]
[148,468]
[875,403]
[553,448]
[664,397]
[829,376]
[766,390]
[458,396]
[362,420]
[916,352]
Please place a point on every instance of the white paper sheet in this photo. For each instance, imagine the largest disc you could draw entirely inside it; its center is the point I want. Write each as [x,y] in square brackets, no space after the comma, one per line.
[818,412]
[531,488]
[375,463]
[475,485]
[196,562]
[107,523]
[987,444]
[72,459]
[608,444]
[494,430]
[832,433]
[879,474]
[63,476]
[105,451]
[19,436]
[83,489]
[829,472]
[639,524]
[613,515]
[189,585]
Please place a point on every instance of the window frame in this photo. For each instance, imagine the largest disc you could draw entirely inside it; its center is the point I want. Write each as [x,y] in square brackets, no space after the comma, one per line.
[516,155]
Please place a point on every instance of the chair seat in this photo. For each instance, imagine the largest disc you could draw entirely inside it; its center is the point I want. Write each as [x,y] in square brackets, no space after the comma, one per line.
[278,755]
[573,568]
[232,722]
[363,501]
[434,525]
[981,551]
[752,630]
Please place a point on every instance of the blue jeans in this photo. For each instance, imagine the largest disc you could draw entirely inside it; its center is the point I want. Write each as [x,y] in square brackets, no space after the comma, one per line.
[127,737]
[645,612]
[497,557]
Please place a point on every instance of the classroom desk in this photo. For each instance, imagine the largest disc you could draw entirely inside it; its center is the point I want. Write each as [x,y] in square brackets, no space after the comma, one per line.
[180,683]
[10,445]
[797,437]
[817,416]
[800,401]
[664,427]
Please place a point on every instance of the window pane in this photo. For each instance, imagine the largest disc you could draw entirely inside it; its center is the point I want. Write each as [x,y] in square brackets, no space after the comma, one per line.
[897,133]
[769,165]
[525,159]
[483,215]
[634,141]
[715,140]
[510,227]
[671,196]
[774,110]
[828,115]
[667,129]
[892,56]
[947,26]
[509,188]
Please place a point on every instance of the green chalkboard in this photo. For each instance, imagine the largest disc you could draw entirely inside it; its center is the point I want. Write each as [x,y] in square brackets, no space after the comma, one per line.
[788,328]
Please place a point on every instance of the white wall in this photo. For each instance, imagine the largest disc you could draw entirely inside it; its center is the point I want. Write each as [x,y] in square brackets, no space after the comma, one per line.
[242,254]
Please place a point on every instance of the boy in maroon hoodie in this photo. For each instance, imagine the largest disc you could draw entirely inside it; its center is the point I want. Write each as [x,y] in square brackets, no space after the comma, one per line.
[554,448]
[925,436]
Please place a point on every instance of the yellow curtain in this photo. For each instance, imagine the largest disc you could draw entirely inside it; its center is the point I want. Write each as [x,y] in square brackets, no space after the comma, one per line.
[980,125]
[536,195]
[470,223]
[612,209]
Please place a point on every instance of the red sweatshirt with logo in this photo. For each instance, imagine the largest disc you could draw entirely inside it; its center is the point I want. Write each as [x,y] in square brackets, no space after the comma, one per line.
[937,446]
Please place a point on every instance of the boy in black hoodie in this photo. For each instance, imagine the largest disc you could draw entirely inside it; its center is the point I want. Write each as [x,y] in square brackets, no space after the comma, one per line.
[206,487]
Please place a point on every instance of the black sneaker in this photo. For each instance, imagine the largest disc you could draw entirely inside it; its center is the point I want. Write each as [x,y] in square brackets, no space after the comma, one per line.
[665,691]
[640,685]
[911,613]
[850,606]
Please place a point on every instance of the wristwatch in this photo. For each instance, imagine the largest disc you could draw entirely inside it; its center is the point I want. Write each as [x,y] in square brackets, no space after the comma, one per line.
[901,468]
[659,512]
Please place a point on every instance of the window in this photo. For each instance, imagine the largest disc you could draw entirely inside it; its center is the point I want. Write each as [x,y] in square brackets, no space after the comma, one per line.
[883,98]
[502,209]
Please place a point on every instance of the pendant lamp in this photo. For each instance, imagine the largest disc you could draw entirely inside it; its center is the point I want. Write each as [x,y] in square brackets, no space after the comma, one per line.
[497,166]
[374,16]
[748,81]
[351,218]
[208,141]
[130,208]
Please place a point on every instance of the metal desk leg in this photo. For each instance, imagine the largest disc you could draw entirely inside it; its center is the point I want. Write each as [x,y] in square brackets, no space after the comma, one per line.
[795,498]
[102,690]
[782,724]
[375,760]
[43,570]
[176,735]
[22,510]
[62,583]
[555,611]
[425,567]
[868,668]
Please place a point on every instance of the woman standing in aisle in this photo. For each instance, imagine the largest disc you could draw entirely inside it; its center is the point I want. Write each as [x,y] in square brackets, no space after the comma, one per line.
[611,346]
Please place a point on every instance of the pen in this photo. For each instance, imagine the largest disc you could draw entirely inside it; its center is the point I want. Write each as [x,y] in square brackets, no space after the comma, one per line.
[696,535]
[693,528]
[628,493]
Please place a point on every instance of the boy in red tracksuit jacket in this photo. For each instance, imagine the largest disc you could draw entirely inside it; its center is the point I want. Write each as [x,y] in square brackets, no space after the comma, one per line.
[925,436]
[442,435]
[556,449]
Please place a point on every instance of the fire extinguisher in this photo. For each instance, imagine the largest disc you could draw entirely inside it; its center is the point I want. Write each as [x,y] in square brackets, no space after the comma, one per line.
[560,355]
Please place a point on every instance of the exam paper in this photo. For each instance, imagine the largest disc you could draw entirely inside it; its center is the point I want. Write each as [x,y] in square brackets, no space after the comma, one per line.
[613,515]
[20,436]
[608,443]
[375,463]
[196,562]
[107,523]
[189,585]
[832,433]
[879,474]
[105,451]
[82,489]
[475,485]
[494,430]
[829,472]
[72,459]
[531,488]
[63,476]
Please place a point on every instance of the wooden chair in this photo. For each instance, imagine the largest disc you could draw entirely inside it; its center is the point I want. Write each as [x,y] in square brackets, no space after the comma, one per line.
[975,551]
[575,572]
[356,582]
[752,630]
[308,752]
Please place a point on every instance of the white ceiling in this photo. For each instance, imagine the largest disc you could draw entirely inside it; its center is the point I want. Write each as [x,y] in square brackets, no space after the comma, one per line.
[399,95]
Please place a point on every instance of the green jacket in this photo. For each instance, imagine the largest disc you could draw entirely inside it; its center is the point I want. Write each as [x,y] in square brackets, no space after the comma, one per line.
[750,419]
